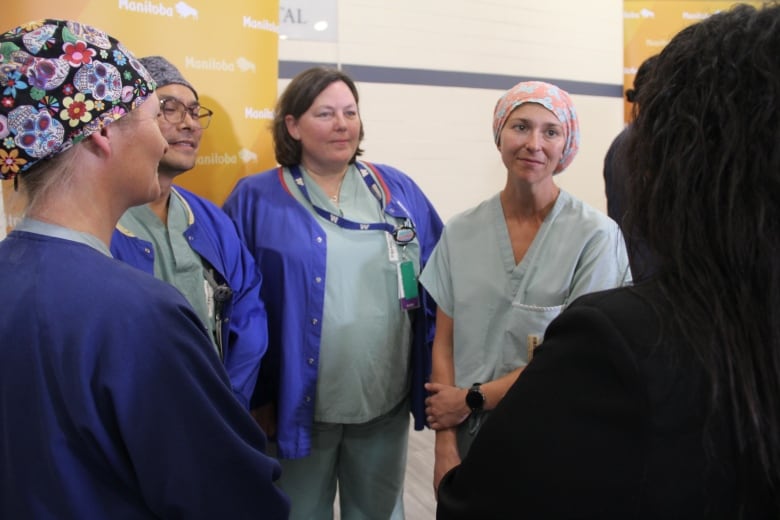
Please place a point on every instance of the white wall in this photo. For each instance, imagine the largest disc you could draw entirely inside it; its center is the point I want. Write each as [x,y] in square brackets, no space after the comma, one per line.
[441,136]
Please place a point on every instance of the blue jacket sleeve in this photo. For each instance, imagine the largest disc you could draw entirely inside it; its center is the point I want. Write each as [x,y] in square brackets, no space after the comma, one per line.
[248,329]
[238,207]
[245,324]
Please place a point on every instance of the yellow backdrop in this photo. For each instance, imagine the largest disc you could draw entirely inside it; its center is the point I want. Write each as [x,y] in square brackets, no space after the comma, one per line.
[227,49]
[648,27]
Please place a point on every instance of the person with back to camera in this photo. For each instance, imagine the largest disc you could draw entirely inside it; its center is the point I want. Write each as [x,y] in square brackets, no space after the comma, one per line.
[339,242]
[189,242]
[659,400]
[504,269]
[112,402]
[617,167]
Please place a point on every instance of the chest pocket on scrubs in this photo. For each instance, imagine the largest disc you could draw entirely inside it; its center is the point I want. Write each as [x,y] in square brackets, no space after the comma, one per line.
[527,324]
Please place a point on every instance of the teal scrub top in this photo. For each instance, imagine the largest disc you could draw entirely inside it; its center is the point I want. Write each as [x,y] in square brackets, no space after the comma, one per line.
[364,361]
[500,308]
[174,260]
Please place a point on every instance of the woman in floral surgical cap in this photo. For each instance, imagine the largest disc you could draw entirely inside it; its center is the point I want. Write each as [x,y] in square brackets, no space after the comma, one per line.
[504,269]
[113,404]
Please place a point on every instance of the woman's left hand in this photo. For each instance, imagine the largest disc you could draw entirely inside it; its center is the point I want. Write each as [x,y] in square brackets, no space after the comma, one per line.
[445,407]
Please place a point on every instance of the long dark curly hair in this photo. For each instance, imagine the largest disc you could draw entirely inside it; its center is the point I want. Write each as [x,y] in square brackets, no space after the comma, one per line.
[706,199]
[642,73]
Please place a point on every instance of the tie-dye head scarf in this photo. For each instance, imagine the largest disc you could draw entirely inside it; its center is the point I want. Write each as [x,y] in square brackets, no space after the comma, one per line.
[61,81]
[553,99]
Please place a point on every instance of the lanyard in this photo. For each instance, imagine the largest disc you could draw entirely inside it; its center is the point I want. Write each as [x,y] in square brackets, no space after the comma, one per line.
[401,234]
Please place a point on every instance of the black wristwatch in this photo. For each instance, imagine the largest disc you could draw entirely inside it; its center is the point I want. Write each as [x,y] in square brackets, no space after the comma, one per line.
[475,399]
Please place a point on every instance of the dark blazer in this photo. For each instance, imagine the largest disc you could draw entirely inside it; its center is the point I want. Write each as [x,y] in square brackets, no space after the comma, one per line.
[607,421]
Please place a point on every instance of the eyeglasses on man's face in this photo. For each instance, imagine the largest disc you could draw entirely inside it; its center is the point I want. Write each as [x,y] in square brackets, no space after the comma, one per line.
[174,111]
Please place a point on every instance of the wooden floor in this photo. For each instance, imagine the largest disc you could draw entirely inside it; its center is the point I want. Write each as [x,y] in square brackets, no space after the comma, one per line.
[419,502]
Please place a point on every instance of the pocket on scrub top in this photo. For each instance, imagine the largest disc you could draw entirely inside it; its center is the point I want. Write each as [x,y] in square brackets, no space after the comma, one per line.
[526,332]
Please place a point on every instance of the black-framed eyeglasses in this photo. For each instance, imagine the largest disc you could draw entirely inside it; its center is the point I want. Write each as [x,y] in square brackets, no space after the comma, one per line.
[174,111]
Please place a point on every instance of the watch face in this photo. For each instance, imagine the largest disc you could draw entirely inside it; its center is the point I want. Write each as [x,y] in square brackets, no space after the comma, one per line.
[475,399]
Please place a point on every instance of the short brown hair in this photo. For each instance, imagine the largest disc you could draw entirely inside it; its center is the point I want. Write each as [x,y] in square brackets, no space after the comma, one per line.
[296,99]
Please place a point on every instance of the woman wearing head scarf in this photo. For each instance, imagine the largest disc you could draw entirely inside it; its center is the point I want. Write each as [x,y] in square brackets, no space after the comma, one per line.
[504,269]
[113,402]
[339,243]
[660,400]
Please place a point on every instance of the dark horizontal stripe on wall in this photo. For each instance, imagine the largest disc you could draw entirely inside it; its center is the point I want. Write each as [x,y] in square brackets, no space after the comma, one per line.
[447,78]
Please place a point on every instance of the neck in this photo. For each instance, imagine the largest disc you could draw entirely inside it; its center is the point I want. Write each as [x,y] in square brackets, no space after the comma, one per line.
[329,181]
[528,202]
[159,206]
[84,216]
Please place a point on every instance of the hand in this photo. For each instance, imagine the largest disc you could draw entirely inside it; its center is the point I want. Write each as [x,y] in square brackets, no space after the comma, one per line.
[442,465]
[265,417]
[445,407]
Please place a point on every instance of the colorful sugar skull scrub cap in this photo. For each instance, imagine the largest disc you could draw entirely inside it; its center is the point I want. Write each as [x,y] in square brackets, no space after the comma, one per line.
[553,99]
[61,81]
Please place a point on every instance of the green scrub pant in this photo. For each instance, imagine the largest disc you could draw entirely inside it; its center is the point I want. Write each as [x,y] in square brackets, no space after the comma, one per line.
[368,461]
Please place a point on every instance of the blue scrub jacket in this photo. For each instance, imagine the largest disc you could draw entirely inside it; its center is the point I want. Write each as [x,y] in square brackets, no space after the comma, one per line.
[112,402]
[289,247]
[213,236]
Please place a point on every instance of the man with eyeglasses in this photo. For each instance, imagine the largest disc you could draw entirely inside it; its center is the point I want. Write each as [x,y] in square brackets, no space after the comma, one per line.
[190,243]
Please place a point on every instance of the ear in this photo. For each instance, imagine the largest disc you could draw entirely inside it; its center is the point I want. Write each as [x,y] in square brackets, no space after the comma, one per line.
[292,127]
[99,142]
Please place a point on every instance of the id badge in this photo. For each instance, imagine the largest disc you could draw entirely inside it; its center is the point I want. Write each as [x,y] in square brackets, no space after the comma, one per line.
[209,293]
[408,292]
[392,248]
